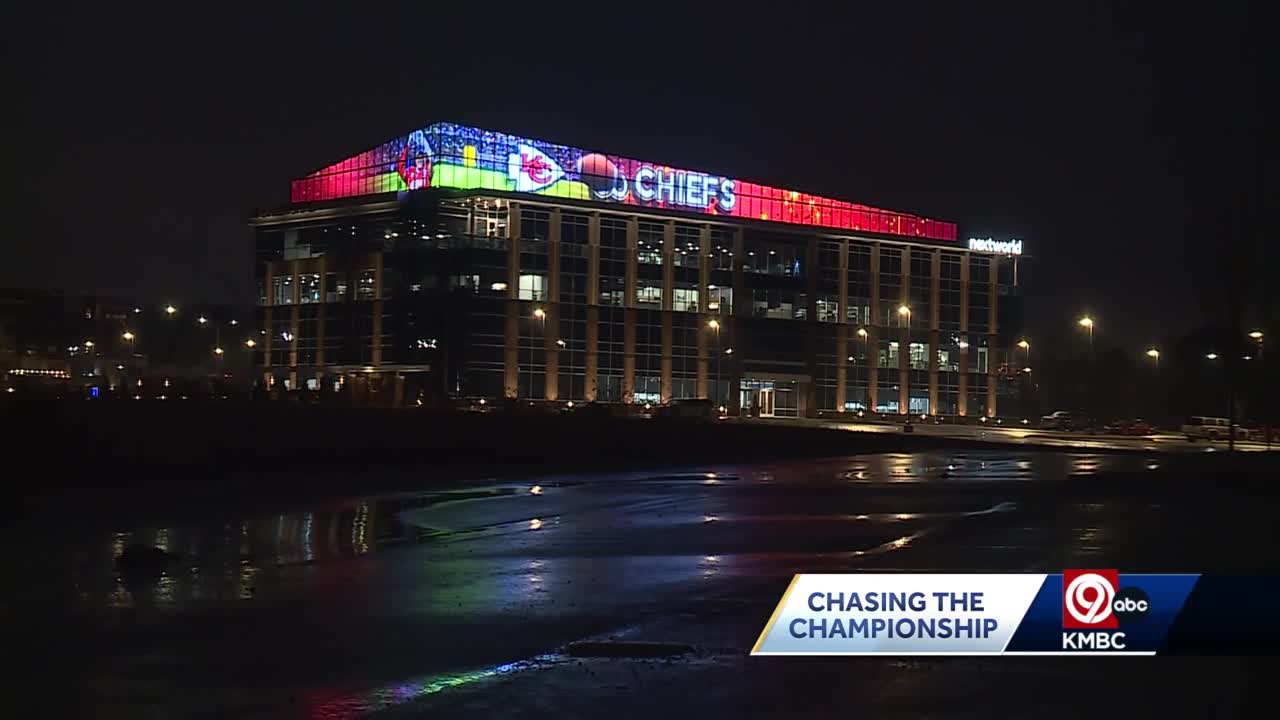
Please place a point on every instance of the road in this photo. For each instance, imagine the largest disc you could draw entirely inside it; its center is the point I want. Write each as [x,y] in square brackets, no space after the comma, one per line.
[467,601]
[1029,436]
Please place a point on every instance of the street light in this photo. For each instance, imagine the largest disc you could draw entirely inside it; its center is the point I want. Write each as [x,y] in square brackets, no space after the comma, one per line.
[1024,344]
[202,320]
[250,343]
[128,336]
[1154,354]
[218,351]
[1212,356]
[715,325]
[88,344]
[541,316]
[170,310]
[1256,335]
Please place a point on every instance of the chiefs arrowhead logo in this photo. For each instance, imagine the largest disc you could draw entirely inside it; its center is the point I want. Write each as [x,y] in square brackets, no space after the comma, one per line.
[531,170]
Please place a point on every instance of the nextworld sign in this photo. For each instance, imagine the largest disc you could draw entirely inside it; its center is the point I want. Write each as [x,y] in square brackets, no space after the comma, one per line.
[998,247]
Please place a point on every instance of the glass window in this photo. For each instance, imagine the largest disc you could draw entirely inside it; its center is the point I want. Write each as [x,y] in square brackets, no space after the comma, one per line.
[828,308]
[649,241]
[533,287]
[649,294]
[282,290]
[888,354]
[720,300]
[309,288]
[335,287]
[982,360]
[777,304]
[684,299]
[919,356]
[364,287]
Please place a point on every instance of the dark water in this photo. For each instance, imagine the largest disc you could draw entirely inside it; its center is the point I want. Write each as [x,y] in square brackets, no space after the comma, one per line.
[343,607]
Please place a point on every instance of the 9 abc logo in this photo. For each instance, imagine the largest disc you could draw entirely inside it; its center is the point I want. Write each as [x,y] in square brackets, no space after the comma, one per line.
[1094,600]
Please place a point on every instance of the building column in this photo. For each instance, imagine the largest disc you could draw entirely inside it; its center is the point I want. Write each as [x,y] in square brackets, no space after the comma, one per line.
[294,312]
[904,370]
[268,339]
[904,344]
[591,381]
[842,349]
[935,339]
[320,313]
[511,333]
[741,303]
[962,398]
[873,365]
[873,333]
[935,321]
[993,375]
[704,310]
[629,355]
[730,365]
[993,379]
[629,314]
[551,306]
[376,351]
[668,291]
[842,331]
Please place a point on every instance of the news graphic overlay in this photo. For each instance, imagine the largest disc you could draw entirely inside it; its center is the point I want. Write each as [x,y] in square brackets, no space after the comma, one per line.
[1076,612]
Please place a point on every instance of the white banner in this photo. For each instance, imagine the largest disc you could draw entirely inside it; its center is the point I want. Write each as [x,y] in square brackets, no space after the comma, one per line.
[898,614]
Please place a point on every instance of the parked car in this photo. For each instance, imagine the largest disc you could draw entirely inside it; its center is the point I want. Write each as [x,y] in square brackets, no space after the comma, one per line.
[1060,420]
[1201,427]
[688,410]
[1128,427]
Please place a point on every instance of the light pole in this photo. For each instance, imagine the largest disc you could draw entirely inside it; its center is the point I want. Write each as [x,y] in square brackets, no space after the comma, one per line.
[862,335]
[1154,354]
[541,316]
[1086,322]
[1257,337]
[715,326]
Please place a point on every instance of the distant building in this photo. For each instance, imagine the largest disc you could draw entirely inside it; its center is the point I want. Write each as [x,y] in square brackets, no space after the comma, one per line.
[76,345]
[461,261]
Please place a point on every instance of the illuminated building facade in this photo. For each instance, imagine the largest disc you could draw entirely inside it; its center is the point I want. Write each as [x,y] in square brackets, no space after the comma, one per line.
[466,262]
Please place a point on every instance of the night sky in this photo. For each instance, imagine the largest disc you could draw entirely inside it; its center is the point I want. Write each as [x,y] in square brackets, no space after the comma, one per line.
[1125,147]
